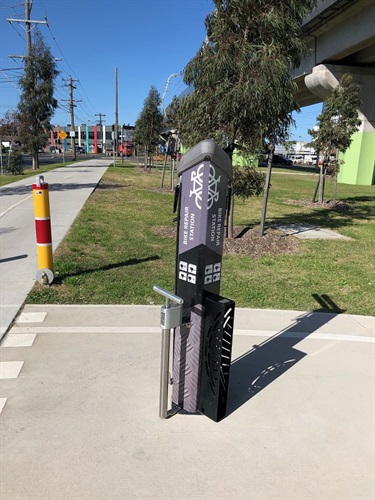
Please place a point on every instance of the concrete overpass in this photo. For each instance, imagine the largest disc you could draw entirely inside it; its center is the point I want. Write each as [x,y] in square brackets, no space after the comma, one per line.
[341,37]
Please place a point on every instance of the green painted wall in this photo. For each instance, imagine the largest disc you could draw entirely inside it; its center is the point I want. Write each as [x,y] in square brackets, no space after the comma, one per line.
[241,160]
[359,161]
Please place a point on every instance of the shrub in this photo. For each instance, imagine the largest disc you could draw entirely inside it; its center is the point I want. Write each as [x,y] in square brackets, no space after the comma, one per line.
[13,163]
[247,182]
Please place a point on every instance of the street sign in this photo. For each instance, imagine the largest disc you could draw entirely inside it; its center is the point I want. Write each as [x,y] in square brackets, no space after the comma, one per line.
[62,135]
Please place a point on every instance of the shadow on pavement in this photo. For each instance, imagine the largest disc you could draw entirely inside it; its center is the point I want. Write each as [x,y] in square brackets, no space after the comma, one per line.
[20,190]
[264,363]
[16,257]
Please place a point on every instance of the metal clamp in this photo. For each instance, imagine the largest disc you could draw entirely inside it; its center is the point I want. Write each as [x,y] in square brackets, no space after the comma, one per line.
[171,317]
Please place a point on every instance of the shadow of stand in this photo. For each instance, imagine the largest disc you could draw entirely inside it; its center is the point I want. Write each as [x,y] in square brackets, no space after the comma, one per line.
[264,363]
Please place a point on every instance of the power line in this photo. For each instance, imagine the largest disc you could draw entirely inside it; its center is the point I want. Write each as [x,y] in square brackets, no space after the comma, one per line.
[71,69]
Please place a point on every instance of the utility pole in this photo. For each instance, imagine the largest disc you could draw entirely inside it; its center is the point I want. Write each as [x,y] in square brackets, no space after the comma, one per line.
[116,116]
[71,109]
[28,22]
[101,129]
[28,7]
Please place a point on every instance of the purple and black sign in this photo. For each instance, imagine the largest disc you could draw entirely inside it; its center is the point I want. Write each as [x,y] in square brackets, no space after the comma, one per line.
[203,201]
[205,172]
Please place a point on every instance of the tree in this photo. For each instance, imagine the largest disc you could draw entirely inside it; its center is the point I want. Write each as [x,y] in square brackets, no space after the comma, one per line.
[149,124]
[243,92]
[37,104]
[9,132]
[336,124]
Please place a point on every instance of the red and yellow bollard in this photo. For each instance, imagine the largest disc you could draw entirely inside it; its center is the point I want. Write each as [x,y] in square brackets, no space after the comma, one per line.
[43,231]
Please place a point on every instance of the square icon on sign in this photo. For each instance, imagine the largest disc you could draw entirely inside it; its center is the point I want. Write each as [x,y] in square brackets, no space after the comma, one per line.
[192,278]
[208,269]
[182,276]
[216,277]
[208,279]
[192,269]
[183,266]
[217,267]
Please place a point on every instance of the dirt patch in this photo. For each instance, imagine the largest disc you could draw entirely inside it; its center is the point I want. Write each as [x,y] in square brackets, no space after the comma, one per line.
[247,241]
[328,205]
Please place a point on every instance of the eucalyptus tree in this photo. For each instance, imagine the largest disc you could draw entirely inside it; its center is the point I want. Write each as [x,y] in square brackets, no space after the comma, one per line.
[149,123]
[243,91]
[336,125]
[37,104]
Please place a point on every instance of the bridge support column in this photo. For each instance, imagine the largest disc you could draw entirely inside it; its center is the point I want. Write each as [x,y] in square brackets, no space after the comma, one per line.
[359,159]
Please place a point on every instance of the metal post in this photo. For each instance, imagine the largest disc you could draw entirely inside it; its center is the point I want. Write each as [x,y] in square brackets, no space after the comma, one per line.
[43,231]
[168,321]
[164,369]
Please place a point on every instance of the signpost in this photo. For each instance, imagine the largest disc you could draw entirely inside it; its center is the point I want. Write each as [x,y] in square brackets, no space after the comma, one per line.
[205,174]
[62,135]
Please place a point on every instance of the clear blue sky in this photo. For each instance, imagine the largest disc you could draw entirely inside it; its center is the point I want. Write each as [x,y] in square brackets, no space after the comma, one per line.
[147,40]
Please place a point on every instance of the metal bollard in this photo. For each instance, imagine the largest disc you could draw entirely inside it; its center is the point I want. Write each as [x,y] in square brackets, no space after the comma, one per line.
[43,231]
[170,317]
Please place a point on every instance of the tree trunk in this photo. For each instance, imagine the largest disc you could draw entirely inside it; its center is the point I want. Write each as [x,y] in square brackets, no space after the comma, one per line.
[266,189]
[316,189]
[35,160]
[335,189]
[163,171]
[322,175]
[172,173]
[335,180]
[230,218]
[146,157]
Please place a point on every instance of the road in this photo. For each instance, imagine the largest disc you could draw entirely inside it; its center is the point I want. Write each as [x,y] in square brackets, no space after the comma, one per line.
[51,158]
[70,187]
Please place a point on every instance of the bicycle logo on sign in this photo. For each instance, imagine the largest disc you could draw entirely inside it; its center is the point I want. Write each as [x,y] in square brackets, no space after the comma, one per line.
[213,188]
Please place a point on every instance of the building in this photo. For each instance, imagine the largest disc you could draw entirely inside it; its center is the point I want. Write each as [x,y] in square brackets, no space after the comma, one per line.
[92,138]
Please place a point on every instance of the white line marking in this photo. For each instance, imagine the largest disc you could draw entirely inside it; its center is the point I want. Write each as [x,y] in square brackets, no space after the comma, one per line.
[31,317]
[10,369]
[150,329]
[15,205]
[328,346]
[2,403]
[308,336]
[19,340]
[85,329]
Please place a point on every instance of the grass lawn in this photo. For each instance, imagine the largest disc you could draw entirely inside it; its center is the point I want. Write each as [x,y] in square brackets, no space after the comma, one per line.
[113,254]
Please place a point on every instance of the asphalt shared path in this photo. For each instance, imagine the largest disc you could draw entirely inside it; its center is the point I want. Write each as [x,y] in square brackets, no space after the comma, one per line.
[69,187]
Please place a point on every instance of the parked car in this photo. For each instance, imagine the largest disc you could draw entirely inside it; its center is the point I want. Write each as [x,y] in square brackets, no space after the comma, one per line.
[80,150]
[281,160]
[54,149]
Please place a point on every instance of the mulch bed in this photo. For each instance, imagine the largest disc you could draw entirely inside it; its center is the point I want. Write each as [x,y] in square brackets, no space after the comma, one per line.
[329,205]
[247,241]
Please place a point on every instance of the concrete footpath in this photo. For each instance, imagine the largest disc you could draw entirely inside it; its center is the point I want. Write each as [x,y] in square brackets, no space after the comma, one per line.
[69,187]
[80,395]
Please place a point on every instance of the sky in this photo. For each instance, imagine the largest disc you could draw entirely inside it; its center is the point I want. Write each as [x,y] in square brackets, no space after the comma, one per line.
[146,40]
